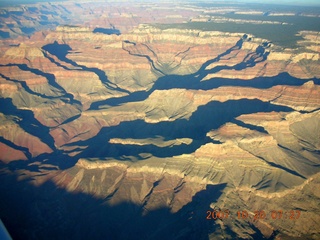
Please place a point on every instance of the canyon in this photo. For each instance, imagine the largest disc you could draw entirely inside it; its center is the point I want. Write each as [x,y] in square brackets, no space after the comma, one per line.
[130,121]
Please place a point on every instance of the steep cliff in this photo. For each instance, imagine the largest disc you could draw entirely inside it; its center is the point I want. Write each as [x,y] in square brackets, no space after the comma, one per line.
[133,127]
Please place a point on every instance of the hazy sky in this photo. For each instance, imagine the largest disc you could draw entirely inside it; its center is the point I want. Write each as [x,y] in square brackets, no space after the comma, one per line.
[286,2]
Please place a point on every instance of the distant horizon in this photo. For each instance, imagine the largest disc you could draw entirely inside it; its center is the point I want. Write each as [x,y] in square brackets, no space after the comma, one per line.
[277,2]
[285,2]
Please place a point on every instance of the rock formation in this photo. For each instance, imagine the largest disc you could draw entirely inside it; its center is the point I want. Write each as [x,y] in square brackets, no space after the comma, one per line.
[118,120]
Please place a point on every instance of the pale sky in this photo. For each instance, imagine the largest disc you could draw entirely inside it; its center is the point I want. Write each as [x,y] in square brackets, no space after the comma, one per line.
[285,2]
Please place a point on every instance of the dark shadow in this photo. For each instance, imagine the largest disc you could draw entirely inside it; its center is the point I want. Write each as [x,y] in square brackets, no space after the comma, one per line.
[208,117]
[47,23]
[4,34]
[65,9]
[4,14]
[18,13]
[26,120]
[116,101]
[48,13]
[44,18]
[190,82]
[67,97]
[249,126]
[24,86]
[48,212]
[55,62]
[205,118]
[195,81]
[56,160]
[33,9]
[150,60]
[71,119]
[283,168]
[16,147]
[28,30]
[108,31]
[61,51]
[258,235]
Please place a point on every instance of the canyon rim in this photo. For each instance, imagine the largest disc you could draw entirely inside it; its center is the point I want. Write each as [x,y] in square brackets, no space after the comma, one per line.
[144,120]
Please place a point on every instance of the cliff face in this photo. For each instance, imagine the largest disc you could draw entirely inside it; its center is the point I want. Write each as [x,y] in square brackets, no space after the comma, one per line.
[168,123]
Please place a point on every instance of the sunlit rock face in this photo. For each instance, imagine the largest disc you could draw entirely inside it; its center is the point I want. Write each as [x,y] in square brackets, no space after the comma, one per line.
[114,121]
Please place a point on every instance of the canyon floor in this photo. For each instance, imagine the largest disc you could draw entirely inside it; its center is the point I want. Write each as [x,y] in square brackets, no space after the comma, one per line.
[159,120]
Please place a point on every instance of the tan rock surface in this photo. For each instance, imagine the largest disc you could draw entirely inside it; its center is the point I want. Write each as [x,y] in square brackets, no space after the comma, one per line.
[158,121]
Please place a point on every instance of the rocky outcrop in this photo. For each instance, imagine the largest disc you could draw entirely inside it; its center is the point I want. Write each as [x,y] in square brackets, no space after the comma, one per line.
[298,216]
[10,154]
[166,123]
[17,142]
[24,51]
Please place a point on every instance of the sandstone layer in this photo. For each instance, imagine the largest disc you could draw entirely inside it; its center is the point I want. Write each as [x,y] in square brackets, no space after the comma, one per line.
[137,128]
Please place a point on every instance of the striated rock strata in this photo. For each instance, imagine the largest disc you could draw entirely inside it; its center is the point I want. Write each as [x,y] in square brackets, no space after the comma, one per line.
[144,129]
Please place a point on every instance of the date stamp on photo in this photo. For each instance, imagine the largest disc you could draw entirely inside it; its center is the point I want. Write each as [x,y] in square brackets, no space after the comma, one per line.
[255,215]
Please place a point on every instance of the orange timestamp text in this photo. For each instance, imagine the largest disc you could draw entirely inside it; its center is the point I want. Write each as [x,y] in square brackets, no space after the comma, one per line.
[256,215]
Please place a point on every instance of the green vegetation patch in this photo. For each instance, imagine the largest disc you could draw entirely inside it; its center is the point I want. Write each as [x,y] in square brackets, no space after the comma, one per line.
[285,35]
